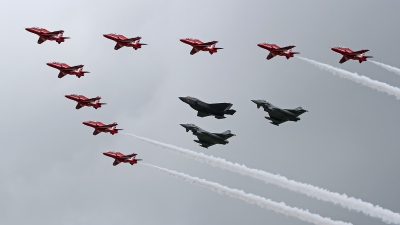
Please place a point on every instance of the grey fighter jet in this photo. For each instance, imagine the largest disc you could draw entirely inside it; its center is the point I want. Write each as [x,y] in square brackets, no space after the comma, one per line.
[278,115]
[207,139]
[204,109]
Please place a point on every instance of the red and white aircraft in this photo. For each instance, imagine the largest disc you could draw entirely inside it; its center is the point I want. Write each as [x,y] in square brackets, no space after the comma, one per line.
[119,158]
[84,101]
[66,69]
[124,41]
[200,46]
[101,127]
[350,54]
[275,50]
[45,35]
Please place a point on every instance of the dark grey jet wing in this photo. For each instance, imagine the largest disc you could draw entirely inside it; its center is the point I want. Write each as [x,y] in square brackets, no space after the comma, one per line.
[220,106]
[275,118]
[202,114]
[204,143]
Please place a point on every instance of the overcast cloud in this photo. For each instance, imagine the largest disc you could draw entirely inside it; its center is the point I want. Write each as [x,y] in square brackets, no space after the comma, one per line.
[52,170]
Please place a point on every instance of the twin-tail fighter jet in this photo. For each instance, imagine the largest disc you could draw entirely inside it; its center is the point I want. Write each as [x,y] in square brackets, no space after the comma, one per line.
[101,127]
[200,46]
[204,109]
[124,41]
[275,50]
[66,69]
[45,35]
[350,54]
[207,139]
[119,158]
[278,115]
[84,101]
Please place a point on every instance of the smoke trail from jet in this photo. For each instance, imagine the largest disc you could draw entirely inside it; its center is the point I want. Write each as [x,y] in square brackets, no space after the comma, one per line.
[387,67]
[374,84]
[312,191]
[254,199]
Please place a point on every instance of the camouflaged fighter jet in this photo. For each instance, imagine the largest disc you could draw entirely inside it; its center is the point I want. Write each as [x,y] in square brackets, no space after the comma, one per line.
[205,109]
[278,115]
[207,139]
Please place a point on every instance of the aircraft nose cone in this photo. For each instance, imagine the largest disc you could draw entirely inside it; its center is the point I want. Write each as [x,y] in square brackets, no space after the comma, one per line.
[183,99]
[255,101]
[184,125]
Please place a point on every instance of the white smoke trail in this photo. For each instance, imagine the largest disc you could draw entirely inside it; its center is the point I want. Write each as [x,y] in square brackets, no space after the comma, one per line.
[387,67]
[255,199]
[374,84]
[281,181]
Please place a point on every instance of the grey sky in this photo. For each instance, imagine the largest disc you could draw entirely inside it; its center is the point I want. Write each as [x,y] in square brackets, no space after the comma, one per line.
[52,170]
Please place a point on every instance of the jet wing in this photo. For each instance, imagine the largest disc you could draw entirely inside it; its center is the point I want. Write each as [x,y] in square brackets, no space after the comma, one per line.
[90,100]
[220,106]
[204,143]
[107,126]
[358,52]
[78,106]
[73,67]
[344,59]
[276,118]
[270,56]
[207,44]
[284,48]
[128,156]
[117,46]
[53,33]
[116,162]
[41,40]
[202,114]
[131,39]
[194,51]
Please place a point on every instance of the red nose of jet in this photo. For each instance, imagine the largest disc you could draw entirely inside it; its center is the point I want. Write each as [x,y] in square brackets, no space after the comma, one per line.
[184,40]
[86,123]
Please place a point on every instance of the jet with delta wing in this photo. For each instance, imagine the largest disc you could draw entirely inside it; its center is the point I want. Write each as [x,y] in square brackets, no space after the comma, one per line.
[66,69]
[205,109]
[200,46]
[207,139]
[350,54]
[101,127]
[278,115]
[275,50]
[123,41]
[84,101]
[121,158]
[45,35]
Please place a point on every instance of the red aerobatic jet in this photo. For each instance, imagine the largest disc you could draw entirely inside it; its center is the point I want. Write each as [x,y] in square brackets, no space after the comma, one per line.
[200,46]
[275,50]
[350,54]
[45,35]
[124,41]
[84,101]
[66,69]
[119,158]
[101,127]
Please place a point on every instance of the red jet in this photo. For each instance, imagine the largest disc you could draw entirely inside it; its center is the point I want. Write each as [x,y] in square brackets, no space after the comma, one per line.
[119,158]
[124,41]
[84,101]
[66,69]
[200,46]
[45,35]
[101,127]
[350,54]
[275,50]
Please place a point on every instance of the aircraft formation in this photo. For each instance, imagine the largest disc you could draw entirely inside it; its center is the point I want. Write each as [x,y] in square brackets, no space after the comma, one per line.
[206,139]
